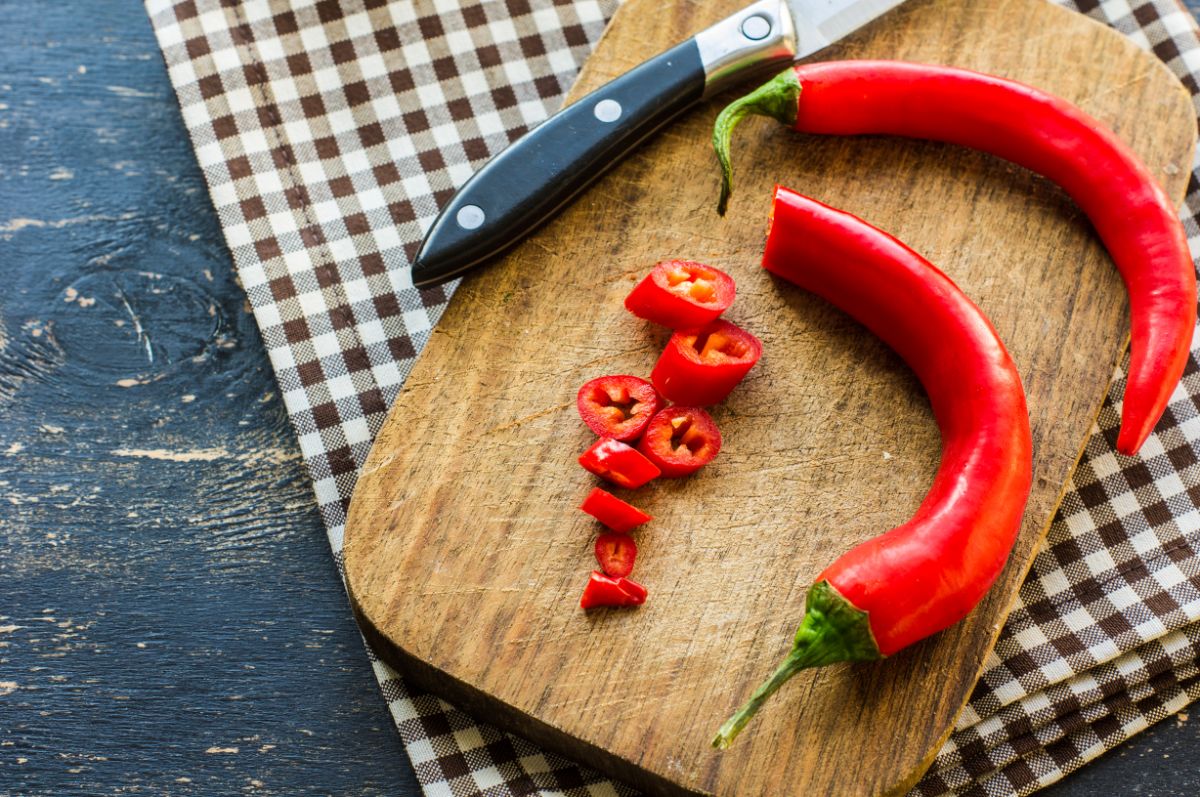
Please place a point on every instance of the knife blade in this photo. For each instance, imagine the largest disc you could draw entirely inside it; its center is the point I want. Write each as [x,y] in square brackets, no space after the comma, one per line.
[534,177]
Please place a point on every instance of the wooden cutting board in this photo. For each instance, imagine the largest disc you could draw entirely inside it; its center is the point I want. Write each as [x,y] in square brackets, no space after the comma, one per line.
[465,553]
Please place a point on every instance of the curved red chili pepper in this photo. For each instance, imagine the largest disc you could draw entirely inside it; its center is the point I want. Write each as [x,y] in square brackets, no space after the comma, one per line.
[930,572]
[1129,210]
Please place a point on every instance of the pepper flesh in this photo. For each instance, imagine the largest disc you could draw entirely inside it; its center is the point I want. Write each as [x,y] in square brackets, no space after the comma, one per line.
[1129,210]
[618,406]
[619,463]
[930,572]
[615,554]
[681,294]
[701,367]
[614,513]
[681,440]
[602,590]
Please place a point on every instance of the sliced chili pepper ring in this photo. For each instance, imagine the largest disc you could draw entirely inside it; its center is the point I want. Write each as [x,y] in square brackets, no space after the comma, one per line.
[701,367]
[681,294]
[618,406]
[616,554]
[618,515]
[681,440]
[619,463]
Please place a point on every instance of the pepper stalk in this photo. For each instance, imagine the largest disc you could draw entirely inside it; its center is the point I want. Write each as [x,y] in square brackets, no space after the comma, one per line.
[833,630]
[778,98]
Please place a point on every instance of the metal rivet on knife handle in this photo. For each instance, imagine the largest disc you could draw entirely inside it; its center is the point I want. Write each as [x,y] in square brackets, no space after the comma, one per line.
[756,28]
[607,111]
[470,217]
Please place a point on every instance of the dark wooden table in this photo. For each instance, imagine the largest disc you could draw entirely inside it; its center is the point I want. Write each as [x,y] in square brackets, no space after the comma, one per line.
[170,618]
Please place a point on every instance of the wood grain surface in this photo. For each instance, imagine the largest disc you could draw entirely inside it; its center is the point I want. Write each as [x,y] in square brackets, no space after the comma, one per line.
[465,553]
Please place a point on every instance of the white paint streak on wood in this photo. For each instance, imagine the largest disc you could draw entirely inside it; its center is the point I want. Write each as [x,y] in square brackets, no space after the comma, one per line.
[273,456]
[126,91]
[13,225]
[190,455]
[131,381]
[20,223]
[137,327]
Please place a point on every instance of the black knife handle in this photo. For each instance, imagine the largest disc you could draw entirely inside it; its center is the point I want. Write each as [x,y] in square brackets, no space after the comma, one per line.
[537,174]
[525,184]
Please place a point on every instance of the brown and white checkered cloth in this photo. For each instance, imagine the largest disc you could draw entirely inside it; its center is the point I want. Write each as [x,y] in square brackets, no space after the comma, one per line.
[330,133]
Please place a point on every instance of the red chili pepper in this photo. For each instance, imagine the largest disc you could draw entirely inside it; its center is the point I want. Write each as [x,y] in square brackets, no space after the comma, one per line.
[615,553]
[612,511]
[601,590]
[1129,210]
[618,406]
[681,440]
[930,572]
[619,463]
[701,367]
[681,294]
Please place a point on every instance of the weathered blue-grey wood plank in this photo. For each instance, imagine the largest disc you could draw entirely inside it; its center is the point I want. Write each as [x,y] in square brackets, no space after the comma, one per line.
[170,619]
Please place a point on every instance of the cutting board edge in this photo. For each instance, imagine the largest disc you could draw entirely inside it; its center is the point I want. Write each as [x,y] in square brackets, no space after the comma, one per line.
[467,698]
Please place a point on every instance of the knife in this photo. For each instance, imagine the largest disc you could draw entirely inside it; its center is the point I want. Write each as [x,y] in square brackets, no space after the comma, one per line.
[534,177]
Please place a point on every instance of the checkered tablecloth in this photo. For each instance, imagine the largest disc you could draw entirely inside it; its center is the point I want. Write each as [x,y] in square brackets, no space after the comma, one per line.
[331,132]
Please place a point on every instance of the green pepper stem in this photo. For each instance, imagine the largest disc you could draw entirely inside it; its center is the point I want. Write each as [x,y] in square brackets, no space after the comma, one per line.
[833,630]
[777,98]
[733,726]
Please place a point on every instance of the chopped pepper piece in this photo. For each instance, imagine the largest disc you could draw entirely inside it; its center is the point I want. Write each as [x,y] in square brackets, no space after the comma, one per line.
[618,406]
[681,440]
[681,294]
[602,590]
[615,553]
[618,515]
[619,463]
[701,367]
